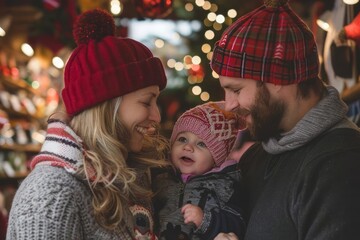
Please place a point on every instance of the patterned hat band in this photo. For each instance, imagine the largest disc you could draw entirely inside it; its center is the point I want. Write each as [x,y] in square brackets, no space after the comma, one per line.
[272,70]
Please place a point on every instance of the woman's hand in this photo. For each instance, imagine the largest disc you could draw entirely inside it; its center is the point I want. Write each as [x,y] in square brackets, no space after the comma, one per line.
[226,236]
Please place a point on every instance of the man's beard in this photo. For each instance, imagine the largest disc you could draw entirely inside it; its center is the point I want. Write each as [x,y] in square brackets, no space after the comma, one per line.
[266,115]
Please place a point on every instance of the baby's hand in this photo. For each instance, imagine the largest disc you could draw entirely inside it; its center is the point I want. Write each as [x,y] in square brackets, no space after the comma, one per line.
[193,214]
[226,236]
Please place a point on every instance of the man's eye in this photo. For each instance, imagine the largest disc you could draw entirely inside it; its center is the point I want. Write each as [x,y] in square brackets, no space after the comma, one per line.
[202,144]
[236,91]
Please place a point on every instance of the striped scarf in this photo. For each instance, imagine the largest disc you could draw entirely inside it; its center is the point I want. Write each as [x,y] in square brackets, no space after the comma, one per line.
[62,148]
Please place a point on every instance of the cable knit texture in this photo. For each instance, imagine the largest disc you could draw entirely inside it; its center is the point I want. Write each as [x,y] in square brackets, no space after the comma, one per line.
[328,113]
[54,201]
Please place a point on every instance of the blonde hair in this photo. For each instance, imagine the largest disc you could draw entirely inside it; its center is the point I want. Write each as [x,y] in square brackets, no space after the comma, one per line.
[115,183]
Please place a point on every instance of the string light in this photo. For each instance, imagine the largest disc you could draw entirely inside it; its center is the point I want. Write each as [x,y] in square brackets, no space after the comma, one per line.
[206,48]
[196,60]
[220,18]
[199,3]
[205,96]
[207,5]
[171,63]
[351,2]
[196,90]
[116,7]
[159,43]
[209,34]
[27,49]
[232,13]
[211,16]
[189,7]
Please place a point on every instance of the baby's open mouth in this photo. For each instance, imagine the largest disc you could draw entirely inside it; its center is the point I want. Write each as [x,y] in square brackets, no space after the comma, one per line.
[186,159]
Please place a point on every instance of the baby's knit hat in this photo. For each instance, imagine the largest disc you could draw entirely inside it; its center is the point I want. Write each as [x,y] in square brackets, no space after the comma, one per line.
[215,126]
[103,66]
[270,44]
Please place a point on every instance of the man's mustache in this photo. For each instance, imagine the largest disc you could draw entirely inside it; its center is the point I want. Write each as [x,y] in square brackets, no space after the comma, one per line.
[241,112]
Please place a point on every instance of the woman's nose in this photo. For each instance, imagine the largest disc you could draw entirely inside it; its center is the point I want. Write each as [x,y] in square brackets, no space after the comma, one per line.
[155,114]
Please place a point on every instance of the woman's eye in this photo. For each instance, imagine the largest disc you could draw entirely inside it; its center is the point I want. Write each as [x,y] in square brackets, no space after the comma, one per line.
[202,144]
[182,139]
[147,104]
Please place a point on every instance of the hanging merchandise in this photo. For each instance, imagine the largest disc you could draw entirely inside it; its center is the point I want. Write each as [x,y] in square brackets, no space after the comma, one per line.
[153,8]
[352,30]
[51,5]
[339,56]
[352,94]
[85,5]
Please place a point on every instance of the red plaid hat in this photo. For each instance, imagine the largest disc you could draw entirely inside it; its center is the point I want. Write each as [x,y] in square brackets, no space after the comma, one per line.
[103,66]
[270,44]
[215,126]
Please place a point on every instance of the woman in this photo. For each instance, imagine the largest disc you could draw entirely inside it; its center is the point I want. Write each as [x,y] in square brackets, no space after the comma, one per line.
[90,179]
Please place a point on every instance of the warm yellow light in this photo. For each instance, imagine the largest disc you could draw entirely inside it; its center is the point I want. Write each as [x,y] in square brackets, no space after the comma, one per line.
[58,62]
[192,79]
[220,18]
[217,26]
[211,16]
[209,34]
[205,96]
[207,5]
[2,32]
[196,90]
[116,7]
[232,13]
[209,55]
[171,63]
[324,25]
[189,7]
[205,48]
[214,7]
[199,3]
[27,49]
[214,74]
[179,66]
[196,60]
[351,2]
[323,20]
[159,43]
[35,84]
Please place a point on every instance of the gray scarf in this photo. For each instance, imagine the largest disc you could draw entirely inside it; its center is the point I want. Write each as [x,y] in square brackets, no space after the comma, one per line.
[328,114]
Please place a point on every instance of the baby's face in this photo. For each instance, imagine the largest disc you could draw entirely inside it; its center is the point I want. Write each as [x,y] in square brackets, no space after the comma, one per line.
[190,154]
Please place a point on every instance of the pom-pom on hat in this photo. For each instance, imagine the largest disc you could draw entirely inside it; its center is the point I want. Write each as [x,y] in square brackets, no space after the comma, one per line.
[270,44]
[103,66]
[215,126]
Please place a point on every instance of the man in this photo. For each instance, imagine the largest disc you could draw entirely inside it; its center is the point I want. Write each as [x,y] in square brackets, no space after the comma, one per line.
[302,178]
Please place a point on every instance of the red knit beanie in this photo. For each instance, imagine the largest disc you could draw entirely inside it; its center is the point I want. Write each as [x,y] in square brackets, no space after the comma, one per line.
[103,66]
[215,126]
[270,44]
